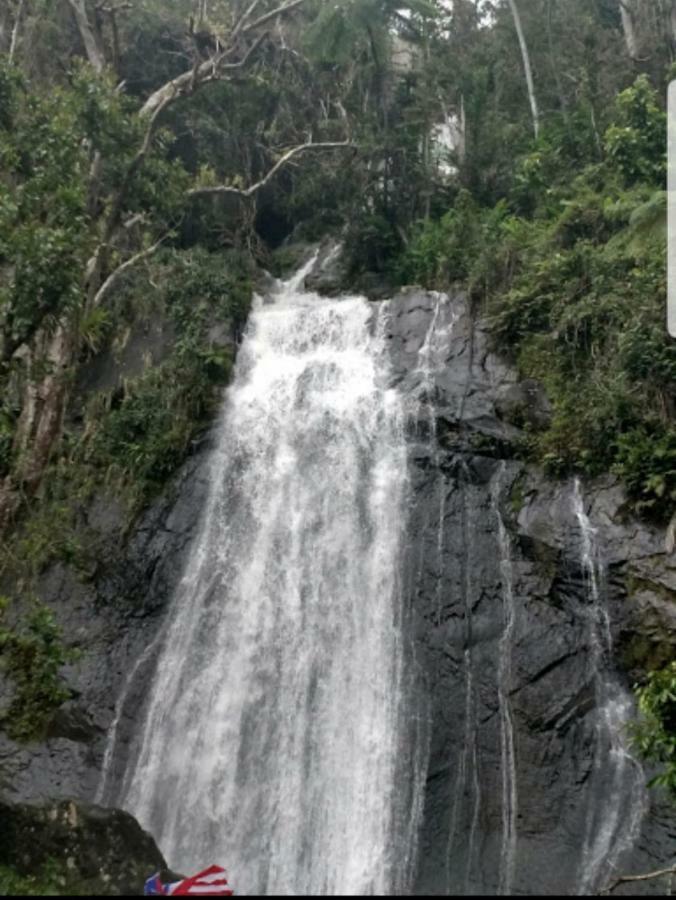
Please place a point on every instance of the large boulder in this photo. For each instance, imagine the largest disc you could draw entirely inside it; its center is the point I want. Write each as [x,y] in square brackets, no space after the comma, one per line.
[79,848]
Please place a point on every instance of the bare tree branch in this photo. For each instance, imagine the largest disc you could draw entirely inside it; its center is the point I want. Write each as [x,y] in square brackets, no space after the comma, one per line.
[649,875]
[243,19]
[116,274]
[273,14]
[96,264]
[15,31]
[211,70]
[90,40]
[248,192]
[216,68]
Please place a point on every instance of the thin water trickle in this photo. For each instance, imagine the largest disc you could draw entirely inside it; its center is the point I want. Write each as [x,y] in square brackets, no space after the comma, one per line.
[430,361]
[507,754]
[272,740]
[617,794]
[466,794]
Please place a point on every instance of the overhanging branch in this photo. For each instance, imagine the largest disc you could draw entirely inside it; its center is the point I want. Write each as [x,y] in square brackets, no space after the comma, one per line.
[212,69]
[647,877]
[216,68]
[268,17]
[248,192]
[116,274]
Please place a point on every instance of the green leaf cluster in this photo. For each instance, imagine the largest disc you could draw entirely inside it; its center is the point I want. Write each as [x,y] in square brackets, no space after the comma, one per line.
[51,881]
[32,656]
[145,430]
[654,735]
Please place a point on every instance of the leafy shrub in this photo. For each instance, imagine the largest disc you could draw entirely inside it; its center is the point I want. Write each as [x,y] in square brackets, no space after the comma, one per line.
[32,657]
[144,430]
[371,244]
[655,733]
[575,292]
[646,460]
[636,142]
[50,882]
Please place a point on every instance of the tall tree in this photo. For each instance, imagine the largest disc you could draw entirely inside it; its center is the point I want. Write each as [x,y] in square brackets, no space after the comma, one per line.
[629,28]
[49,343]
[526,66]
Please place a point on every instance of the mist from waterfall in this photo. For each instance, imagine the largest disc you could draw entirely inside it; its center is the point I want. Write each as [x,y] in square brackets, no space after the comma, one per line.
[277,736]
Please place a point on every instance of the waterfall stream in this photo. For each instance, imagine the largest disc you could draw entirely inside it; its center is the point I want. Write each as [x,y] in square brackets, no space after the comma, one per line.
[274,736]
[617,803]
[507,754]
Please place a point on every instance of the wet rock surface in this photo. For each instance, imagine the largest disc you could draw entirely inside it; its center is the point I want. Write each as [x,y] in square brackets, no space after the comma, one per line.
[112,618]
[87,850]
[465,424]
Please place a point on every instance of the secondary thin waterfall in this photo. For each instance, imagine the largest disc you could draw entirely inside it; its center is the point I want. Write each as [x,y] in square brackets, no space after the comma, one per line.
[274,737]
[617,795]
[507,753]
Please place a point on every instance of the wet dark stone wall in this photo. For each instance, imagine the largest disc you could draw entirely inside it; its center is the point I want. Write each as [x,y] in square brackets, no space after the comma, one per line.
[464,453]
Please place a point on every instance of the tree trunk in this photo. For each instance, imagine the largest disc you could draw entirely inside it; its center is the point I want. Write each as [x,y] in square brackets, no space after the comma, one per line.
[90,39]
[45,396]
[4,28]
[40,422]
[552,61]
[39,425]
[15,31]
[527,67]
[462,132]
[629,28]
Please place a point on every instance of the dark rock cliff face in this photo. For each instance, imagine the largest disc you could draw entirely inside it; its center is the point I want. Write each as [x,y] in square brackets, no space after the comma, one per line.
[114,618]
[467,409]
[464,471]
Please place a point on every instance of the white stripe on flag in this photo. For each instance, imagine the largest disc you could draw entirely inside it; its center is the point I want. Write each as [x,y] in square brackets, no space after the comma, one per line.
[203,888]
[215,876]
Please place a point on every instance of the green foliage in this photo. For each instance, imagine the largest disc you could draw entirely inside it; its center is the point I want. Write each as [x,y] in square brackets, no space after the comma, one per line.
[144,431]
[43,228]
[635,142]
[443,251]
[655,734]
[32,657]
[50,882]
[371,244]
[576,291]
[646,459]
[48,535]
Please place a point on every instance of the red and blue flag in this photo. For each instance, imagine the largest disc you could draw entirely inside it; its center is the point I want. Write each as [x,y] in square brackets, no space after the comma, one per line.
[211,882]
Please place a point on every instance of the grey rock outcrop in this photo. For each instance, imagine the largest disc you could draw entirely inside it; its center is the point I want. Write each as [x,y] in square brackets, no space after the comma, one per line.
[466,422]
[113,617]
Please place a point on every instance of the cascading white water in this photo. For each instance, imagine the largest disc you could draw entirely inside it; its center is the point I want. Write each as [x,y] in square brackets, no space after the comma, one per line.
[272,740]
[508,761]
[617,793]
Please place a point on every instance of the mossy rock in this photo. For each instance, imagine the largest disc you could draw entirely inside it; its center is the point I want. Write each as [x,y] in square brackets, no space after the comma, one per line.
[74,848]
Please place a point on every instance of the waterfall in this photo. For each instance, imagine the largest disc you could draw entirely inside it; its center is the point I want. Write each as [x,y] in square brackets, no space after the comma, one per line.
[508,761]
[276,737]
[617,793]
